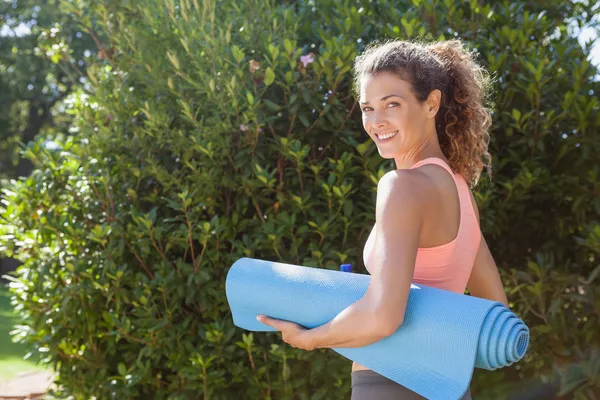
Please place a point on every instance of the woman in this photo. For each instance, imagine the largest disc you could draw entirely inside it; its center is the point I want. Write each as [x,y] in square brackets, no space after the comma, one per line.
[422,104]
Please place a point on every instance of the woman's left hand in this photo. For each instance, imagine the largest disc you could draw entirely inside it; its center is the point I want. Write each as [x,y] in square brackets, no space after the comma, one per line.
[293,334]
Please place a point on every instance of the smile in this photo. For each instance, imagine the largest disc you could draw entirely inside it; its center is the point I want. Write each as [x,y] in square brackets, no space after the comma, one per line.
[386,136]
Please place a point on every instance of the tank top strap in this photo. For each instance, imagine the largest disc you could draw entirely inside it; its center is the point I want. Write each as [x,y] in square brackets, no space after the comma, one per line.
[461,187]
[437,161]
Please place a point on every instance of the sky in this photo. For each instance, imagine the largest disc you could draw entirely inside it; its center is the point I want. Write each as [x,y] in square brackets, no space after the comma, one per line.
[585,35]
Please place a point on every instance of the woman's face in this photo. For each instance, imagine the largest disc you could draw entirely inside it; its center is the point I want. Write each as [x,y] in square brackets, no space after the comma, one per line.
[399,124]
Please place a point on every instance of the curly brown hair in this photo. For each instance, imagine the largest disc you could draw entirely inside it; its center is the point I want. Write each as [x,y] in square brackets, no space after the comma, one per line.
[462,121]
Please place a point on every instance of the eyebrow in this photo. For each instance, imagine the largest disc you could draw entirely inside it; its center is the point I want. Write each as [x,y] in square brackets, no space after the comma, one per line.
[384,98]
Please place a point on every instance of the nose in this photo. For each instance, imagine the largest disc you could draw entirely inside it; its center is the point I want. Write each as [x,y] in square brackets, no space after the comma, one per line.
[378,121]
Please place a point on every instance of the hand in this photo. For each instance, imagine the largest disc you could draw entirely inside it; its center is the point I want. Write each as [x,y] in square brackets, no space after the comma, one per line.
[293,334]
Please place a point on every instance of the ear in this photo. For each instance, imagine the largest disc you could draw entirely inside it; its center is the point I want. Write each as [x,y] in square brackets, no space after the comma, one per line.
[433,103]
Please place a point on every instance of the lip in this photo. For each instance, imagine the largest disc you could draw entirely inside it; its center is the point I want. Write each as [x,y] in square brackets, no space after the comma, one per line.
[385,140]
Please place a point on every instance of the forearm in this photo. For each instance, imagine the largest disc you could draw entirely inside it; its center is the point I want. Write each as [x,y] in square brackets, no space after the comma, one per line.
[355,326]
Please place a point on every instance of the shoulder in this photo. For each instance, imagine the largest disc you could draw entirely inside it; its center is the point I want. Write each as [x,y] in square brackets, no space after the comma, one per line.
[403,192]
[405,184]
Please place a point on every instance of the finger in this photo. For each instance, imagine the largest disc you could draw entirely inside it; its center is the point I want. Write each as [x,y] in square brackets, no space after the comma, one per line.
[267,321]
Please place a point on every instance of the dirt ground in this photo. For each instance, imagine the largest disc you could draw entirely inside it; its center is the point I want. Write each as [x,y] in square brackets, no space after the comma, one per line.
[27,386]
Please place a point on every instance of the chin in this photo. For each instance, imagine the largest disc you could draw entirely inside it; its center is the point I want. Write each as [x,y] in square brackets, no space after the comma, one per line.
[387,154]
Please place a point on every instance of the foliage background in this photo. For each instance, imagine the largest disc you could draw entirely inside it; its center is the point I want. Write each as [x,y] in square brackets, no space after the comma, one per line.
[205,131]
[43,57]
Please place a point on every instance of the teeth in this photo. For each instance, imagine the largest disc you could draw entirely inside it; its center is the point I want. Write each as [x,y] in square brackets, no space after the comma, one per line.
[387,135]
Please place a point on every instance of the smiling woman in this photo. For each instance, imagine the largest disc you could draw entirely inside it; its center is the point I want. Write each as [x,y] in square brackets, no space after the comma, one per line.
[422,104]
[404,86]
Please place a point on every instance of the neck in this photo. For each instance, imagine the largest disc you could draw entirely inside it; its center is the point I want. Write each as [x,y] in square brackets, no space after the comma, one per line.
[430,147]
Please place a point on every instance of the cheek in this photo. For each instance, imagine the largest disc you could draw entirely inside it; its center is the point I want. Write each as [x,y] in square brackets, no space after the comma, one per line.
[406,117]
[366,121]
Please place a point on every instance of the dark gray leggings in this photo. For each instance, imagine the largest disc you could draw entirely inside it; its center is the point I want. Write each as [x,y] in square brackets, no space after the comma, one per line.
[369,385]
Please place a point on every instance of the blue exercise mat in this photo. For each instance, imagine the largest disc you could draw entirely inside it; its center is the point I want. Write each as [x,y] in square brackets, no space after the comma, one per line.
[443,337]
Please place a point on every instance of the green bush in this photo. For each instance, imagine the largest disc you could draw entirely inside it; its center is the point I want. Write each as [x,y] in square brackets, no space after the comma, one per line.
[222,130]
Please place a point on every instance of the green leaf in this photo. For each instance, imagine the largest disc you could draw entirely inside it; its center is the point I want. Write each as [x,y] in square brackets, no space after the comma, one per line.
[270,105]
[516,114]
[274,51]
[595,273]
[347,25]
[348,208]
[174,60]
[302,117]
[535,268]
[570,385]
[122,369]
[363,147]
[152,214]
[269,76]
[247,339]
[288,46]
[107,318]
[238,54]
[408,27]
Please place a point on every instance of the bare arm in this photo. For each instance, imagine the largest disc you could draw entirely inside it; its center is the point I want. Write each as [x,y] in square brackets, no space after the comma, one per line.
[380,312]
[485,279]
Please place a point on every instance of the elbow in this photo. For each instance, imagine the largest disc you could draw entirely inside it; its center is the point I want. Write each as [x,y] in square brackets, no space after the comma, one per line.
[389,326]
[386,318]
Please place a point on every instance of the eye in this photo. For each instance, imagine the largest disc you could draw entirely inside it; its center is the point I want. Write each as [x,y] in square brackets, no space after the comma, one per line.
[393,103]
[365,109]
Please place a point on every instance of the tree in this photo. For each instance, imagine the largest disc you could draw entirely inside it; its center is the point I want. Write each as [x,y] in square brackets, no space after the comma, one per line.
[43,56]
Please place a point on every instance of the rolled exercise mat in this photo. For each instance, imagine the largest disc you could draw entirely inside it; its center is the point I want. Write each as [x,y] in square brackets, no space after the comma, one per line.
[443,337]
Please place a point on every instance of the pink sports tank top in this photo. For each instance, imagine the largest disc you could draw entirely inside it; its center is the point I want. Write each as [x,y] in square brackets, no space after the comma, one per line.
[447,266]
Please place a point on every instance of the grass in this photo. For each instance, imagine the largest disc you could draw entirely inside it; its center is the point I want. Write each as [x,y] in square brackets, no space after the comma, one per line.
[11,354]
